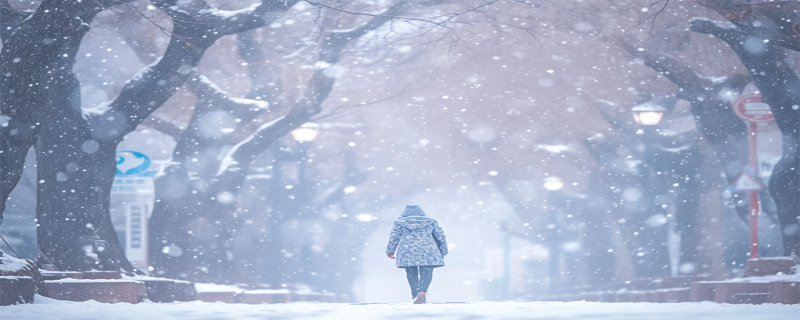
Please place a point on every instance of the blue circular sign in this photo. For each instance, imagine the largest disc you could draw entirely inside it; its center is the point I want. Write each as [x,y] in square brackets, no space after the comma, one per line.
[132,163]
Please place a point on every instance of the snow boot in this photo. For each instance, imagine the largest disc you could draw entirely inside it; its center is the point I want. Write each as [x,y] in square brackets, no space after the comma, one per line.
[420,298]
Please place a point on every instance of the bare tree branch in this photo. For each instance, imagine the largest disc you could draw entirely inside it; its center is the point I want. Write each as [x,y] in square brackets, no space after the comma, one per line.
[320,86]
[778,21]
[243,108]
[163,126]
[683,77]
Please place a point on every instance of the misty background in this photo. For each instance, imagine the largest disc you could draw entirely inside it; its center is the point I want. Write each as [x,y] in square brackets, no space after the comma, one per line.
[468,123]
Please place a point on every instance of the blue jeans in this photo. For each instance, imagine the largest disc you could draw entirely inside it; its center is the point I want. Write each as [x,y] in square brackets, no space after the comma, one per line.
[419,278]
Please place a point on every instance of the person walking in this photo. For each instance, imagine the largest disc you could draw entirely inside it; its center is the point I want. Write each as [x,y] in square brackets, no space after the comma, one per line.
[420,246]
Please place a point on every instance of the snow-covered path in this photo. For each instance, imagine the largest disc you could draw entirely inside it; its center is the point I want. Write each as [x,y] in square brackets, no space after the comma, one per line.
[58,310]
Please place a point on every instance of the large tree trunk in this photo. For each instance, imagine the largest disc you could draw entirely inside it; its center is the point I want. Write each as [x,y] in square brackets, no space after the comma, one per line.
[77,161]
[36,63]
[780,88]
[74,228]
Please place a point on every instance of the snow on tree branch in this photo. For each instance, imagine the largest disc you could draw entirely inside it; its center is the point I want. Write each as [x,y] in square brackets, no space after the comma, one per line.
[201,86]
[320,86]
[679,74]
[196,27]
[778,21]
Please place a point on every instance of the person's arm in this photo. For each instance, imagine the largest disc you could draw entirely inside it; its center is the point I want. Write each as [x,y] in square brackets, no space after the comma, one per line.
[394,240]
[438,235]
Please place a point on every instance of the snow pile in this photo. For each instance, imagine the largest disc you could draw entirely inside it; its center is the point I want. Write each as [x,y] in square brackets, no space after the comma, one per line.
[69,280]
[143,278]
[44,308]
[773,278]
[10,265]
[211,287]
[269,291]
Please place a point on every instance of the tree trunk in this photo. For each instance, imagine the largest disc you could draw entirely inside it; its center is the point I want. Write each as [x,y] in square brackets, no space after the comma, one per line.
[36,62]
[77,160]
[195,219]
[74,227]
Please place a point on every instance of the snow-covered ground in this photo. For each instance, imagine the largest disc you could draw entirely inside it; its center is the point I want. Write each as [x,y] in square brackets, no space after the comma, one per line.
[60,310]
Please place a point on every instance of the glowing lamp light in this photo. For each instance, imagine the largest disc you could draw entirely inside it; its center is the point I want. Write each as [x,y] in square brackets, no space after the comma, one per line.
[553,183]
[648,114]
[306,133]
[365,217]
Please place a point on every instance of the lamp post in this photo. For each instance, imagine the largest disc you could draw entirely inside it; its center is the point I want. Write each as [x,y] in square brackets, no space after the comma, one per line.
[304,135]
[553,185]
[284,206]
[649,115]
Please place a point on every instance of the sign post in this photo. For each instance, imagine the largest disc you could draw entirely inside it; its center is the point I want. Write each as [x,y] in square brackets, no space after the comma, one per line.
[133,191]
[752,111]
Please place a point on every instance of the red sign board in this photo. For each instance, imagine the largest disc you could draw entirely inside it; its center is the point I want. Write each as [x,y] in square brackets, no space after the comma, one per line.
[750,108]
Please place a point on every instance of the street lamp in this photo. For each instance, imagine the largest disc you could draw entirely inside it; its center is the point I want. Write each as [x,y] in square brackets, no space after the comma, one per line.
[553,183]
[306,132]
[365,217]
[648,113]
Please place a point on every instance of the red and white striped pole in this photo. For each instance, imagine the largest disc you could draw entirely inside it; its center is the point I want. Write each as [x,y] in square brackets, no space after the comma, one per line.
[752,111]
[754,202]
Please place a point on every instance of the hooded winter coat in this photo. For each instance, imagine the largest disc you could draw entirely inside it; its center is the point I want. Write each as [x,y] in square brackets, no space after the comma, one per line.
[417,240]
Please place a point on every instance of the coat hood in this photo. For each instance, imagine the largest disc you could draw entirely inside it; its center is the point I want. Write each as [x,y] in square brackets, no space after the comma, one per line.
[413,211]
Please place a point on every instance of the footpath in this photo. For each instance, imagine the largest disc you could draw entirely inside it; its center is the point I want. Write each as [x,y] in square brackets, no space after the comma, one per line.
[766,280]
[21,281]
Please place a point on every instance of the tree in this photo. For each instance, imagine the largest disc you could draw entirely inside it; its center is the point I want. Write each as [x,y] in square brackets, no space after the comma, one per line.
[775,21]
[36,62]
[177,206]
[76,147]
[656,176]
[78,173]
[307,234]
[710,105]
[780,88]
